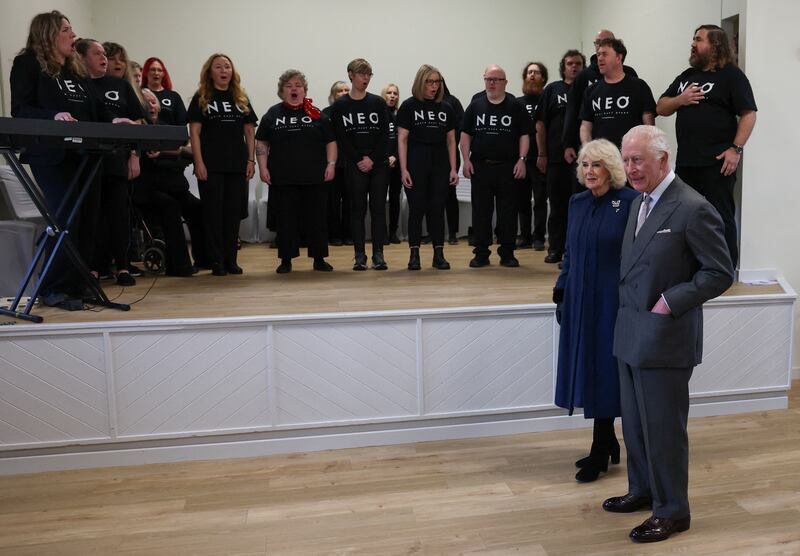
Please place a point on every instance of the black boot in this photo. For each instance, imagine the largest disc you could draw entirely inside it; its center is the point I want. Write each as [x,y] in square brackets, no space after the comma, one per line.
[602,450]
[439,262]
[413,259]
[378,262]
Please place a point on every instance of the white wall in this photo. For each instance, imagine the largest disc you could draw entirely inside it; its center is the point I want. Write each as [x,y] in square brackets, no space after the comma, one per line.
[15,19]
[770,197]
[320,38]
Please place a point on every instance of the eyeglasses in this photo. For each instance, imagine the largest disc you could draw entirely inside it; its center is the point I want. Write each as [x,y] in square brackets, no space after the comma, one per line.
[433,81]
[494,80]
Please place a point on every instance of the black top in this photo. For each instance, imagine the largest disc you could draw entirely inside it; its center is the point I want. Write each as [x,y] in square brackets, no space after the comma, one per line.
[122,102]
[392,146]
[427,121]
[614,108]
[706,129]
[222,134]
[531,104]
[35,94]
[551,111]
[328,111]
[362,127]
[173,111]
[297,144]
[583,80]
[495,128]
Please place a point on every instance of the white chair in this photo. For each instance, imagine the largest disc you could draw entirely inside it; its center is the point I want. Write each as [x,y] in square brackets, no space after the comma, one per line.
[17,240]
[15,203]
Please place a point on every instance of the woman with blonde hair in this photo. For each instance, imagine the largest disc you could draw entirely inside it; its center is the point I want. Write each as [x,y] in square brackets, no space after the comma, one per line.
[586,296]
[222,130]
[391,94]
[426,148]
[338,201]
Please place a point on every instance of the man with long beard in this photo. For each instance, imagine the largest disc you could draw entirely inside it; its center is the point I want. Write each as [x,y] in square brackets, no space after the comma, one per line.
[708,97]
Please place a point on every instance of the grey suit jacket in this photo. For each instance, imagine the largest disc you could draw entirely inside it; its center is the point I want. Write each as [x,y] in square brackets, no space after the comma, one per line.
[680,252]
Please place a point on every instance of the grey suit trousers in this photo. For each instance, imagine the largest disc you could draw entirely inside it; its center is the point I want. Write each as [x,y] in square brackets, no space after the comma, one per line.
[655,409]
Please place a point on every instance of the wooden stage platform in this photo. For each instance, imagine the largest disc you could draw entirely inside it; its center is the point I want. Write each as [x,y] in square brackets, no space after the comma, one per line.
[220,367]
[260,291]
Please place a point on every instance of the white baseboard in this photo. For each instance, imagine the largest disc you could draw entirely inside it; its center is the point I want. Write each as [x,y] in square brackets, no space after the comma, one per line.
[122,456]
[757,274]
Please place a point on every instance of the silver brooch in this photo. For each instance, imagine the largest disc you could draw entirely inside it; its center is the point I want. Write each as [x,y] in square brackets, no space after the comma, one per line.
[615,203]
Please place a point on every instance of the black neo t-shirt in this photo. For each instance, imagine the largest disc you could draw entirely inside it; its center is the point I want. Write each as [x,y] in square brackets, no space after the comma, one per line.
[614,108]
[585,78]
[122,102]
[222,134]
[173,111]
[340,158]
[706,129]
[550,111]
[531,104]
[392,147]
[297,144]
[362,127]
[495,128]
[427,121]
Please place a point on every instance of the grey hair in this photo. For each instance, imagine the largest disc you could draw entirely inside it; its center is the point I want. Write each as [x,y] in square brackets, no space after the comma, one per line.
[656,139]
[287,76]
[607,153]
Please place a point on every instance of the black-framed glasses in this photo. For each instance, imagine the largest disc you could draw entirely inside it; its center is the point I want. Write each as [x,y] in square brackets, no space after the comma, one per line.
[433,81]
[495,79]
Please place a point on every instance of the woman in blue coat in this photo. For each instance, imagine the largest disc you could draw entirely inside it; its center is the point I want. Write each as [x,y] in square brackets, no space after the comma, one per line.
[586,295]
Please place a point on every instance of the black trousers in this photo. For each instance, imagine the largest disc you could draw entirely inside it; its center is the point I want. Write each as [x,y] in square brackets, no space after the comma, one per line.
[306,203]
[718,190]
[114,224]
[494,185]
[451,210]
[169,209]
[533,184]
[364,188]
[54,182]
[395,191]
[560,178]
[429,167]
[338,206]
[221,198]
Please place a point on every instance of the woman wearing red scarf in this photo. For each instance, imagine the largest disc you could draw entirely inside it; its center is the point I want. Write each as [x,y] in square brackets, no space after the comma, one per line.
[296,152]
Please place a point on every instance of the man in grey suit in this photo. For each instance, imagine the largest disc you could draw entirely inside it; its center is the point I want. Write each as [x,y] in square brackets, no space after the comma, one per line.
[674,258]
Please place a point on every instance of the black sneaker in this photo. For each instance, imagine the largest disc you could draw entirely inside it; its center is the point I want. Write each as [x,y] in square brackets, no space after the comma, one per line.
[360,262]
[285,266]
[509,262]
[105,274]
[378,262]
[322,265]
[125,279]
[553,257]
[135,270]
[478,262]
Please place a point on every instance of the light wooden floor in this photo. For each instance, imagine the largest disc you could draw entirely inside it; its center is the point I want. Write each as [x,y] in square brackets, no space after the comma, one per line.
[260,291]
[500,496]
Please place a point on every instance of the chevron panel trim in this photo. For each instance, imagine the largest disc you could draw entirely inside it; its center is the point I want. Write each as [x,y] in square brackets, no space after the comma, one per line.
[351,371]
[489,363]
[52,389]
[200,380]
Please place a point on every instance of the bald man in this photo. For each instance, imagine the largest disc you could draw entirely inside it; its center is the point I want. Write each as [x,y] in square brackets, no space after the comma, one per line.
[495,137]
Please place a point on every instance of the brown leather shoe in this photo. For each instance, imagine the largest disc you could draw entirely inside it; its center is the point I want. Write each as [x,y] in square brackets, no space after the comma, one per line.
[656,529]
[627,504]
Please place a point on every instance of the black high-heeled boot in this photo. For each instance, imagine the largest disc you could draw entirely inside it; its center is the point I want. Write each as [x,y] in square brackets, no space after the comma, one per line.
[600,453]
[607,426]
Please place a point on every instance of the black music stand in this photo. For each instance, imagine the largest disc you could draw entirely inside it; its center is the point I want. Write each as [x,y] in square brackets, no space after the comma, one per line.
[100,140]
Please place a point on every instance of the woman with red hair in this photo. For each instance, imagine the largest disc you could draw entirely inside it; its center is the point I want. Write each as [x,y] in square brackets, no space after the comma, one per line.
[156,78]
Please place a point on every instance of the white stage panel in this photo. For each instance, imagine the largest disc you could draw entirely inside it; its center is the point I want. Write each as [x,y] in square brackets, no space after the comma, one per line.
[745,347]
[52,389]
[201,380]
[488,363]
[347,372]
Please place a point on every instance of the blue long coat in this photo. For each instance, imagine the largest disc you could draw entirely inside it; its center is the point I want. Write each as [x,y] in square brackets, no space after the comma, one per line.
[587,371]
